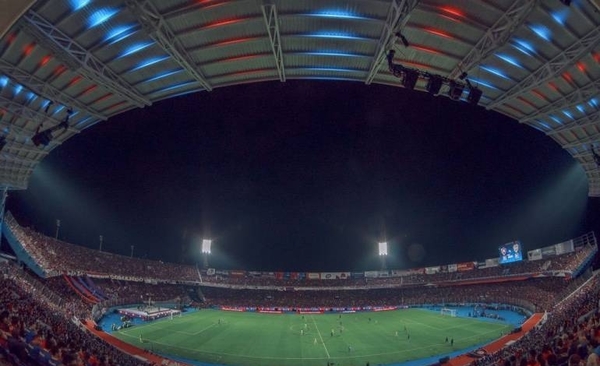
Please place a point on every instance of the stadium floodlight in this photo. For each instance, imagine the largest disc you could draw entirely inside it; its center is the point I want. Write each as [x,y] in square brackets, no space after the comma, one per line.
[383,248]
[206,243]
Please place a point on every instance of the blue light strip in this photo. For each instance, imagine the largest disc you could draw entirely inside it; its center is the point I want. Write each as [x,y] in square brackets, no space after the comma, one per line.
[3,81]
[524,47]
[100,16]
[581,108]
[149,62]
[336,35]
[332,54]
[542,31]
[543,124]
[568,114]
[330,78]
[555,119]
[594,102]
[119,34]
[337,14]
[60,108]
[478,82]
[496,72]
[509,59]
[560,16]
[160,76]
[83,121]
[78,4]
[135,48]
[176,86]
[327,69]
[18,89]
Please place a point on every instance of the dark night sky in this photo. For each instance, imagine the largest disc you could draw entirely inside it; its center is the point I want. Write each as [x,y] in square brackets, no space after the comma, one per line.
[308,176]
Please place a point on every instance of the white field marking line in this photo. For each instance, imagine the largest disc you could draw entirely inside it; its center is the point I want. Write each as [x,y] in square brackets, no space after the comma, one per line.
[148,325]
[320,336]
[198,332]
[191,350]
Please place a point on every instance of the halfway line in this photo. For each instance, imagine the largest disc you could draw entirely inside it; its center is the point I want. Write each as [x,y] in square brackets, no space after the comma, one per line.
[320,336]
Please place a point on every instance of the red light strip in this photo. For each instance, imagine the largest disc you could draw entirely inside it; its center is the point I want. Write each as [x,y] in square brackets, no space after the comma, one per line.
[438,33]
[452,10]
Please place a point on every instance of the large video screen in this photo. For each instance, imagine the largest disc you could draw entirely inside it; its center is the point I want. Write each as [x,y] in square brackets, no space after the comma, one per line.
[511,252]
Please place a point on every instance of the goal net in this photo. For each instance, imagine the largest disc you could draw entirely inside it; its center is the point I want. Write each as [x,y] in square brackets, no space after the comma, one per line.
[448,312]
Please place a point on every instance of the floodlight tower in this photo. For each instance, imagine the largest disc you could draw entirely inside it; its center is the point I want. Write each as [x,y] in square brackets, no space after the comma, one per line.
[383,252]
[206,244]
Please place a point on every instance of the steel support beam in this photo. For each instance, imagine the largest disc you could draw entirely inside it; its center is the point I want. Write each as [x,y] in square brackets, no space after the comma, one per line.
[397,18]
[496,36]
[156,27]
[23,147]
[79,59]
[587,120]
[12,165]
[552,68]
[6,166]
[44,89]
[10,183]
[18,159]
[26,112]
[272,22]
[589,140]
[578,96]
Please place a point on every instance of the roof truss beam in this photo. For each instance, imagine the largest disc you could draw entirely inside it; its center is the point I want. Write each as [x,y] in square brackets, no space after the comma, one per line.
[44,89]
[80,59]
[574,98]
[10,181]
[589,140]
[15,162]
[157,28]
[496,36]
[397,18]
[272,23]
[552,68]
[26,112]
[585,121]
[13,145]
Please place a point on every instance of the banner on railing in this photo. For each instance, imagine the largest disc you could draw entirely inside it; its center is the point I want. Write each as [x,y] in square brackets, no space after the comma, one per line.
[432,270]
[466,266]
[335,275]
[534,255]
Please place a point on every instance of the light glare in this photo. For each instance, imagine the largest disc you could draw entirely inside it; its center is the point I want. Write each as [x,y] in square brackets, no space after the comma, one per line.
[383,248]
[206,243]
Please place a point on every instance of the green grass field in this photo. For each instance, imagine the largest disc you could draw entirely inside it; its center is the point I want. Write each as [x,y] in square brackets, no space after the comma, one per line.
[252,339]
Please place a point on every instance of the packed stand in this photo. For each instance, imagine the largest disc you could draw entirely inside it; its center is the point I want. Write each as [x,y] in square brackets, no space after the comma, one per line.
[33,332]
[570,336]
[58,257]
[536,293]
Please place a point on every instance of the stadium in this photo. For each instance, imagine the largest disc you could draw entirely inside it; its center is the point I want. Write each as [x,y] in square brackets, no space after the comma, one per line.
[69,65]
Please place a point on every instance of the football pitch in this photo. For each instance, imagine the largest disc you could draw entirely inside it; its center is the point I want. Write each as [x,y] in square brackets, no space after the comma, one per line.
[253,339]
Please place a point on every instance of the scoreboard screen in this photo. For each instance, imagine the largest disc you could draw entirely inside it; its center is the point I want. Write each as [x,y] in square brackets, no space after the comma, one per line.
[511,252]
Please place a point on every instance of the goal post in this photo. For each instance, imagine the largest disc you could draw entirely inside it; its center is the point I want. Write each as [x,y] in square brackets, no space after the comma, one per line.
[448,312]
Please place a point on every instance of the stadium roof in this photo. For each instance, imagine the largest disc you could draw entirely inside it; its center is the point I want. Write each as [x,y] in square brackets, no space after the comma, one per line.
[535,61]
